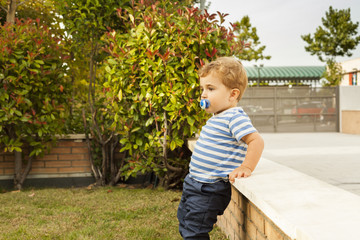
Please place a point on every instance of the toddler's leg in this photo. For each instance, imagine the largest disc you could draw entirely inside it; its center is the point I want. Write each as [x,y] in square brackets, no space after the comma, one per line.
[199,206]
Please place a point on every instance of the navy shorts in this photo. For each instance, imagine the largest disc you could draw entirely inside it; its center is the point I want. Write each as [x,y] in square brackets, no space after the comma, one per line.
[199,207]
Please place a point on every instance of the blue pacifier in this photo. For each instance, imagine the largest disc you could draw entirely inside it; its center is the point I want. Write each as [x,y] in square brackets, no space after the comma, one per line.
[204,103]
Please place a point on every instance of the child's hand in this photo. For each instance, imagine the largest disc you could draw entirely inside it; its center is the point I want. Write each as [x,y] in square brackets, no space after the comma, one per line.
[239,172]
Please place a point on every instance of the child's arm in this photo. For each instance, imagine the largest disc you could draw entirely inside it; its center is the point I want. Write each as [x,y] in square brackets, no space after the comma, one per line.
[255,147]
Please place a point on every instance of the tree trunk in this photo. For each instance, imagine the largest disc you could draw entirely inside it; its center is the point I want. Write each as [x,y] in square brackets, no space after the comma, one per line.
[94,169]
[104,164]
[10,16]
[18,167]
[112,161]
[116,169]
[20,175]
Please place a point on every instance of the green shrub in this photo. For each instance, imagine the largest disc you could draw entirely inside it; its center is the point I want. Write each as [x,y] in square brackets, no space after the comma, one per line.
[152,82]
[33,88]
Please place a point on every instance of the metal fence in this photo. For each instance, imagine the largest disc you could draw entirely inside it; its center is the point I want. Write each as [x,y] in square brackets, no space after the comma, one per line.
[296,109]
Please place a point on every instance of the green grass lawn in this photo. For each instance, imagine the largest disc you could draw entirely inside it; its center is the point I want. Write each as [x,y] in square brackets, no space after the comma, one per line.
[100,213]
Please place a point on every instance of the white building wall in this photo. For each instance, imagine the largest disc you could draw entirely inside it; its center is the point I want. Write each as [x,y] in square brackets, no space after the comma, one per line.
[349,99]
[350,67]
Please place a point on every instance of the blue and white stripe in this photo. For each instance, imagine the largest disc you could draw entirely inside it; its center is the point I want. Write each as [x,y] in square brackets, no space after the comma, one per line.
[219,149]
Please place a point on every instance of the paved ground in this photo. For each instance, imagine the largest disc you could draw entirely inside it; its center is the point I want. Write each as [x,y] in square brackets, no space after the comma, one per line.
[330,157]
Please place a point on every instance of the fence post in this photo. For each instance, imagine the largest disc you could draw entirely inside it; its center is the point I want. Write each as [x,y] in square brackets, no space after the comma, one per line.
[338,113]
[275,109]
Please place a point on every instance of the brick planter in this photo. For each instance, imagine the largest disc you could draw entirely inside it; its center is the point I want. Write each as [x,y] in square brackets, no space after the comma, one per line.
[69,159]
[243,220]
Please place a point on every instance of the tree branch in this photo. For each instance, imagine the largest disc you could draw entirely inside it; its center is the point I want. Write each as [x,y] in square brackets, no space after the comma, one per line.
[108,140]
[4,9]
[26,170]
[167,165]
[21,3]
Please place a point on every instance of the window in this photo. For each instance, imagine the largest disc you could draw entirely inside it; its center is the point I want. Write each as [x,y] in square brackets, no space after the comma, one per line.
[354,78]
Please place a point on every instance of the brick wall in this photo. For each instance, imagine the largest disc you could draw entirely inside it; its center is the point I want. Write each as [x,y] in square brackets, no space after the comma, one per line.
[68,157]
[242,220]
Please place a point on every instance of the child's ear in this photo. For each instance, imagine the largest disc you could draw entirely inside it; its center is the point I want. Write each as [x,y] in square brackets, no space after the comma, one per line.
[235,92]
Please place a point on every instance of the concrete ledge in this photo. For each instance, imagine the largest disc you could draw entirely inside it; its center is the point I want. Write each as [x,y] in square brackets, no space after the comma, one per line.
[301,206]
[72,136]
[48,175]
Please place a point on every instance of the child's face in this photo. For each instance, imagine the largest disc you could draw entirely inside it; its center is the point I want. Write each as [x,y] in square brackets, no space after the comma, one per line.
[221,97]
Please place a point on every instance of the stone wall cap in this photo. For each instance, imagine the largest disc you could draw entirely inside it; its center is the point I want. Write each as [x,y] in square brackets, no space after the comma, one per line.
[304,208]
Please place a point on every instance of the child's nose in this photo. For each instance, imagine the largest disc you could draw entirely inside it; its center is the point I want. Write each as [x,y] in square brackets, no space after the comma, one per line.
[204,94]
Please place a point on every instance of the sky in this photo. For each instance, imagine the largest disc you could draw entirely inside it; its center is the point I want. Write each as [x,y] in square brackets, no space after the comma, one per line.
[280,24]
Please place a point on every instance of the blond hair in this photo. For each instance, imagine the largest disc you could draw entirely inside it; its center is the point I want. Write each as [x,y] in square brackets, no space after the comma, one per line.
[229,70]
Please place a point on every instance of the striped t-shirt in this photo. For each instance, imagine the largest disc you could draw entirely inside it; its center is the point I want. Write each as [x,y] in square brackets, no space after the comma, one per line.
[219,149]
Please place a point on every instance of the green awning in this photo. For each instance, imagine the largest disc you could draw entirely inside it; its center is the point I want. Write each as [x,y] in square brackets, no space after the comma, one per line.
[285,73]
